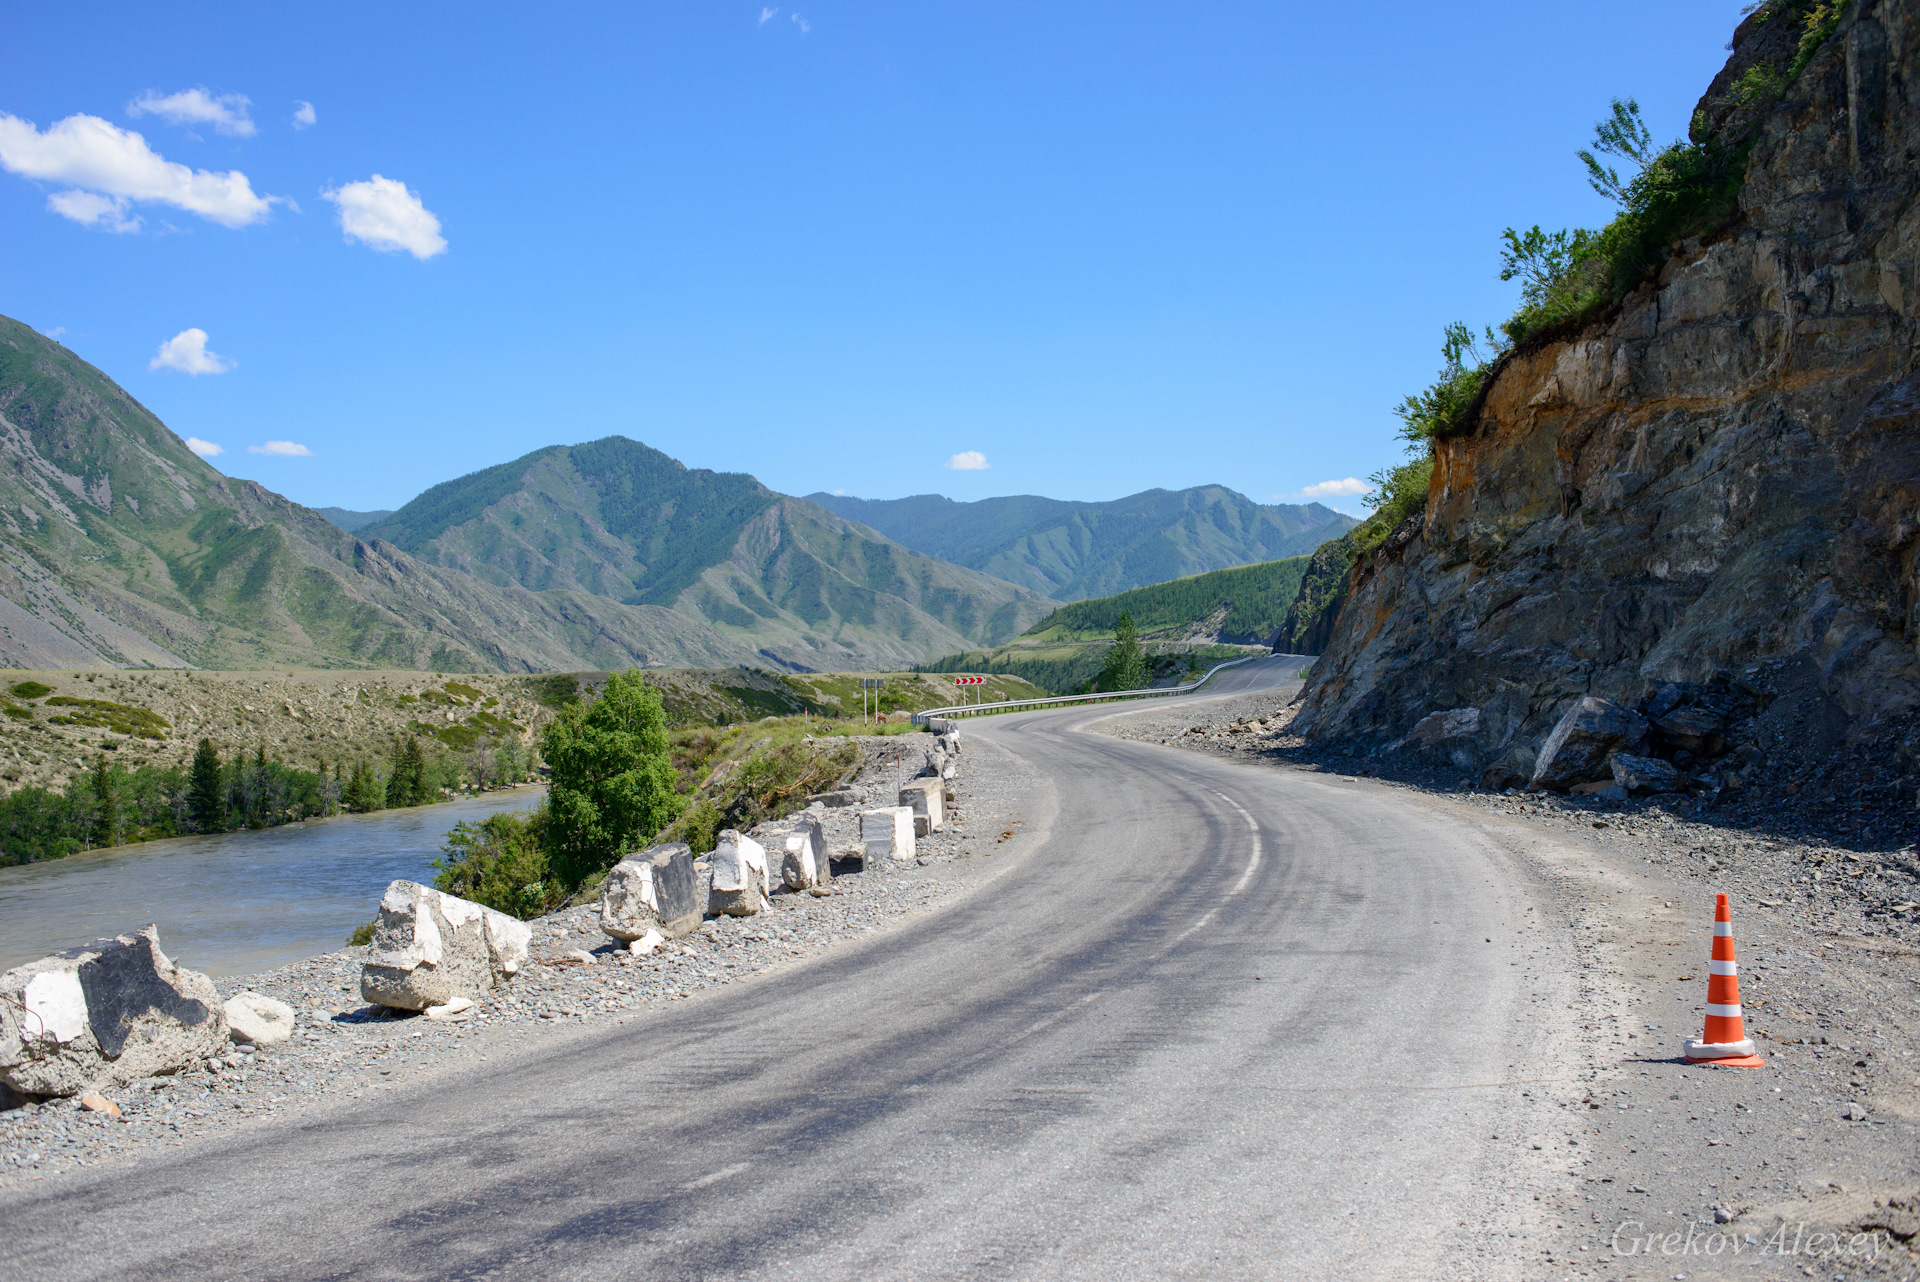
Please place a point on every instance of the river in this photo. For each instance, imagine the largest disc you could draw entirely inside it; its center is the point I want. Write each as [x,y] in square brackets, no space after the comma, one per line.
[235,902]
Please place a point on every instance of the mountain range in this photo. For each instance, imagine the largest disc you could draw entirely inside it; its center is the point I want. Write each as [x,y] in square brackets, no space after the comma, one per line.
[1072,551]
[121,547]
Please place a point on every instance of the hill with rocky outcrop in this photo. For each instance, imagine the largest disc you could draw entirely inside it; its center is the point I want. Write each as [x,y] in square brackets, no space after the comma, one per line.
[1700,506]
[1074,551]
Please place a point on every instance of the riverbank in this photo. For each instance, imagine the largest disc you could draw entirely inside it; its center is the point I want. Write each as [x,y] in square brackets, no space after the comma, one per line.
[346,1050]
[231,903]
[1826,1135]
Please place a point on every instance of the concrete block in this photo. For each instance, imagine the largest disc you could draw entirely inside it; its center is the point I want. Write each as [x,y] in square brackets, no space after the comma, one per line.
[927,798]
[739,887]
[653,890]
[887,833]
[806,865]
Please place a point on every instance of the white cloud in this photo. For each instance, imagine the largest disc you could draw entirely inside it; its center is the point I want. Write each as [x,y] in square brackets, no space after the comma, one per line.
[227,113]
[840,493]
[381,212]
[1335,489]
[281,449]
[767,14]
[303,114]
[109,168]
[802,23]
[55,332]
[91,209]
[187,352]
[205,449]
[968,461]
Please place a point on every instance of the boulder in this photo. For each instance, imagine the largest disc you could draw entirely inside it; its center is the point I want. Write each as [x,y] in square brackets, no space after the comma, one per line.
[105,1014]
[1644,774]
[1700,731]
[927,799]
[653,890]
[1577,750]
[260,1020]
[887,833]
[430,947]
[739,887]
[805,865]
[835,800]
[1436,728]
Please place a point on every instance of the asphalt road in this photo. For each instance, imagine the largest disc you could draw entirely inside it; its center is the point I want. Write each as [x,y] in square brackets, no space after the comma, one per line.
[1214,1021]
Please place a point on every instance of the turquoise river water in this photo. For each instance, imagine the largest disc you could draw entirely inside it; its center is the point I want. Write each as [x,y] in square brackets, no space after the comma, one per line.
[235,902]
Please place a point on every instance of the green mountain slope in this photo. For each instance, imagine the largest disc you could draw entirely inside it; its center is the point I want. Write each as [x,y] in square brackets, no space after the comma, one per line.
[1073,551]
[1242,606]
[776,578]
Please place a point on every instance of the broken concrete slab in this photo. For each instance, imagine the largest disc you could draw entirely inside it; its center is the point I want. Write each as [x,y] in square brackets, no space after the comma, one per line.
[739,887]
[655,889]
[105,1014]
[430,947]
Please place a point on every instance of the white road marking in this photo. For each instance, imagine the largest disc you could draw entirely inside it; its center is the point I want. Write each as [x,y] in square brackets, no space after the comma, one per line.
[1253,865]
[726,1173]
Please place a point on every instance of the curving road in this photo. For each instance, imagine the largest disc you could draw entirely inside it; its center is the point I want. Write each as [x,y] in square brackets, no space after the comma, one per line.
[1215,1021]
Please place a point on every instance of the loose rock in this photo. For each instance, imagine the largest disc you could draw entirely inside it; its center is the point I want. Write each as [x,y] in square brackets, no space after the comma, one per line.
[105,1014]
[430,947]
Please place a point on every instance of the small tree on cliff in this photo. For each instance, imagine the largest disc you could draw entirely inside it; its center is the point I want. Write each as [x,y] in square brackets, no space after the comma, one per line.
[612,777]
[1126,666]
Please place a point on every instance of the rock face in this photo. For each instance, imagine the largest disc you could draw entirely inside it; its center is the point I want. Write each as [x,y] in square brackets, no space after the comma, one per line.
[654,890]
[1724,471]
[739,887]
[805,865]
[105,1014]
[430,947]
[257,1019]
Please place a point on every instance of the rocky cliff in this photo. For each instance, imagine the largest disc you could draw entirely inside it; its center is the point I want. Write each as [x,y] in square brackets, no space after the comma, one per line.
[1713,490]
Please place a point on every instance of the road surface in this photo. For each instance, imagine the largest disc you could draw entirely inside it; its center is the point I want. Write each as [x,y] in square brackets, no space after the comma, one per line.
[1216,1021]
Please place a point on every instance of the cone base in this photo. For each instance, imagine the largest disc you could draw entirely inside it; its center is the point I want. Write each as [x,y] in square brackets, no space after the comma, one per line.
[1736,1061]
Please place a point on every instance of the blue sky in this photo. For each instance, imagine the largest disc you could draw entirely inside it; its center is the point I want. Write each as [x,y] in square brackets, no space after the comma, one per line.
[1099,248]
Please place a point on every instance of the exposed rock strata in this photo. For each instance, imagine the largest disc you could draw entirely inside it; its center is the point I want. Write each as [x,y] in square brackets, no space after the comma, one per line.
[1725,472]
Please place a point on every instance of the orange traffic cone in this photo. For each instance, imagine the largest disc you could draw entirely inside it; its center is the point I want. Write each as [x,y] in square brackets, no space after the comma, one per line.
[1725,1039]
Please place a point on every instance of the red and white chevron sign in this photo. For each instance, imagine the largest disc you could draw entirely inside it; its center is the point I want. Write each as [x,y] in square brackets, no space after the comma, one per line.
[969,681]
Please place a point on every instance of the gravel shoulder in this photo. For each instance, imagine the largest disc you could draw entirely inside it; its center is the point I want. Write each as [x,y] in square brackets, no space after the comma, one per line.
[346,1050]
[1807,1167]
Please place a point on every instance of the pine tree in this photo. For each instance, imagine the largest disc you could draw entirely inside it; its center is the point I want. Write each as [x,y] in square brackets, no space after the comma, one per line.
[363,792]
[206,800]
[1126,666]
[106,816]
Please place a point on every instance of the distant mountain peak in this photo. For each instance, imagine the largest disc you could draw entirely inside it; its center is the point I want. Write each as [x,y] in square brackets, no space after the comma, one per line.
[1077,550]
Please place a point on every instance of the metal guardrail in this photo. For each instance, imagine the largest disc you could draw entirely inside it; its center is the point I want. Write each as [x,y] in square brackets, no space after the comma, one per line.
[1059,700]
